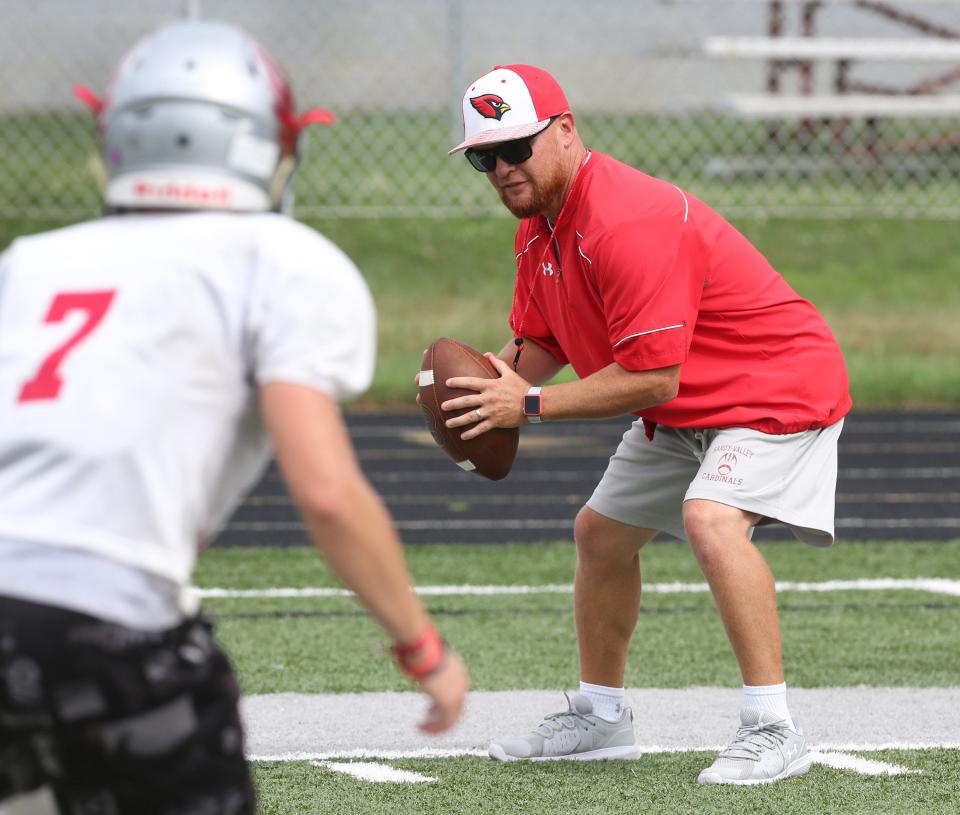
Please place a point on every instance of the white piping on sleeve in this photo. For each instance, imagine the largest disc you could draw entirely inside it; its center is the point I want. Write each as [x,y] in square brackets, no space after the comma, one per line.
[642,333]
[686,204]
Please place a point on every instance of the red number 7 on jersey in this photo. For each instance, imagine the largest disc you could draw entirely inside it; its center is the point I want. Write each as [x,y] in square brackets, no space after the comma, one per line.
[47,383]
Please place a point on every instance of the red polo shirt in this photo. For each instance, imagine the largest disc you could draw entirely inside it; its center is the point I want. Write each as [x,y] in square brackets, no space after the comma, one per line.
[641,273]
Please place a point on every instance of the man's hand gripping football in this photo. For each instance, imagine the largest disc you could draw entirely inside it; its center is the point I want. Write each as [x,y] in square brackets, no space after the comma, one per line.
[499,401]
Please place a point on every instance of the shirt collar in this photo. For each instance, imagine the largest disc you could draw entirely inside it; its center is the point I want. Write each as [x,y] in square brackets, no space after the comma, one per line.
[573,195]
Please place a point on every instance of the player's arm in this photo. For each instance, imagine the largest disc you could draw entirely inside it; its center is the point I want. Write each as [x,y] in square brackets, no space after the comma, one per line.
[611,391]
[536,364]
[349,523]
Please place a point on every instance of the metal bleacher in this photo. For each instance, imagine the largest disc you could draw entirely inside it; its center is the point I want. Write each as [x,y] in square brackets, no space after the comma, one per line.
[813,107]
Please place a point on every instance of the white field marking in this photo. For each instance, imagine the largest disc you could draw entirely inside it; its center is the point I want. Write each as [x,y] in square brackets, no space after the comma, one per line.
[374,771]
[823,754]
[565,525]
[931,584]
[386,755]
[383,725]
[863,766]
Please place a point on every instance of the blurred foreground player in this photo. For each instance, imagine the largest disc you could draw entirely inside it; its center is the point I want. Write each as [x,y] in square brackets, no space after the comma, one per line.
[147,361]
[665,311]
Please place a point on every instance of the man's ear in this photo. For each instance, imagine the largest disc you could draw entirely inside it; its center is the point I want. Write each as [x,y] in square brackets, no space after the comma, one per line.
[568,128]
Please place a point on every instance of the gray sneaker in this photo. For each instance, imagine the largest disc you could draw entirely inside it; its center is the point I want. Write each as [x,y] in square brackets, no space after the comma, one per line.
[576,734]
[765,750]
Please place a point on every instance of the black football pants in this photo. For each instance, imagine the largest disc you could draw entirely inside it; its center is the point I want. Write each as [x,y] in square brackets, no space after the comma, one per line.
[117,721]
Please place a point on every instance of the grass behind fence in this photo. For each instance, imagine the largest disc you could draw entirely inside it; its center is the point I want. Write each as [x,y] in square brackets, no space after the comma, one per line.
[888,288]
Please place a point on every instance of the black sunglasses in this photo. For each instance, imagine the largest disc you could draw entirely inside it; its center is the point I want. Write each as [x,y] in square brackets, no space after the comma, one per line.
[516,151]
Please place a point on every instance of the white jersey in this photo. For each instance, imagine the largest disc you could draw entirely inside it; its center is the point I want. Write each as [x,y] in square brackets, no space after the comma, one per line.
[131,349]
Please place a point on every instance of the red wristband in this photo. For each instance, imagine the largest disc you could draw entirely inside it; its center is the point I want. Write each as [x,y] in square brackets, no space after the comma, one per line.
[420,658]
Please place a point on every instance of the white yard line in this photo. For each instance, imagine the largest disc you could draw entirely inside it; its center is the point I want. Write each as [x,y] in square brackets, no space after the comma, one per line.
[302,727]
[358,727]
[378,772]
[355,733]
[358,753]
[927,584]
[374,771]
[566,524]
[823,754]
[858,764]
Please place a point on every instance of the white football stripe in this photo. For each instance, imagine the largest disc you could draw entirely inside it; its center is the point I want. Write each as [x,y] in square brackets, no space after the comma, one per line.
[302,727]
[426,378]
[863,766]
[819,756]
[374,771]
[467,465]
[386,754]
[928,584]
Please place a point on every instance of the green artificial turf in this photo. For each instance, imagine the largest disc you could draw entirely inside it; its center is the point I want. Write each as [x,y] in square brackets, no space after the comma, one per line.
[880,638]
[662,784]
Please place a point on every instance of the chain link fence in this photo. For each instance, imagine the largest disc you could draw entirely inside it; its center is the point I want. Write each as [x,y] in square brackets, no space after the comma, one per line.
[869,124]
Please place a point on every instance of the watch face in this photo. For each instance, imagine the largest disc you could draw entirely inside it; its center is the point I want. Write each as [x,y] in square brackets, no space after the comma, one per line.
[531,405]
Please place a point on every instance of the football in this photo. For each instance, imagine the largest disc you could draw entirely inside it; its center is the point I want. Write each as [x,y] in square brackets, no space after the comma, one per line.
[490,454]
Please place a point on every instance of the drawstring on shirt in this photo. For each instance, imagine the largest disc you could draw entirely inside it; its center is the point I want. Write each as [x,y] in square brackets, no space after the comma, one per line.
[518,339]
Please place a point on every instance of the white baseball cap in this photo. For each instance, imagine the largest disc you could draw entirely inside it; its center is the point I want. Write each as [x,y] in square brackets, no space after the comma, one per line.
[509,102]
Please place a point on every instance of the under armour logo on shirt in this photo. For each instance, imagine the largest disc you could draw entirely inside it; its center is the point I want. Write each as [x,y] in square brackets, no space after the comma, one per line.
[547,268]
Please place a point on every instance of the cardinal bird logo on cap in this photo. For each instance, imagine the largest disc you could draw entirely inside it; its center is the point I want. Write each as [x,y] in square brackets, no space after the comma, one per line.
[490,106]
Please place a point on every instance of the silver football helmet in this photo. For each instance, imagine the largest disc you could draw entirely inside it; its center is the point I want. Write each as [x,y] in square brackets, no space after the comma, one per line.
[199,116]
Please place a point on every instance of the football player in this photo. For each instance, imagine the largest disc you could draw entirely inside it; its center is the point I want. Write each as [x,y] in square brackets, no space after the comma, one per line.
[150,362]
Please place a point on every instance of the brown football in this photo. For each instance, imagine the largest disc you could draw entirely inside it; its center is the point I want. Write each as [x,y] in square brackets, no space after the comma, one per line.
[490,454]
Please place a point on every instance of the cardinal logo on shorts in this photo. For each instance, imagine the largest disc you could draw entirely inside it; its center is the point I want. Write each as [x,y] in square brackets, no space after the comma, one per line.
[727,462]
[490,106]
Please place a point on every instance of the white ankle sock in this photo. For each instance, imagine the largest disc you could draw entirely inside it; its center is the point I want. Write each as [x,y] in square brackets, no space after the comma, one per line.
[607,702]
[768,697]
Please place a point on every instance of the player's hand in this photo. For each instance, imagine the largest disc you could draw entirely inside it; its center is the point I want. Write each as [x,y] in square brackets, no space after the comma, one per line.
[500,401]
[447,688]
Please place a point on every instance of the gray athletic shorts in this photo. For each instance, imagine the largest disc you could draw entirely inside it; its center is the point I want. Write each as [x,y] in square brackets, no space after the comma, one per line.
[790,479]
